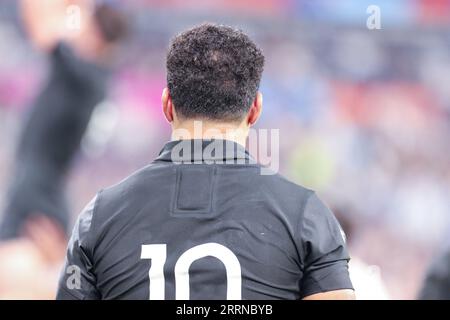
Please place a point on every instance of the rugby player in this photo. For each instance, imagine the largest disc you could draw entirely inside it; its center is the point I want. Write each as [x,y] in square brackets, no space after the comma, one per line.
[201,221]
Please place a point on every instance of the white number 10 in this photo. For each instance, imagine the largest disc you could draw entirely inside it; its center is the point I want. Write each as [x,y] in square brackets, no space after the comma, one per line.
[158,254]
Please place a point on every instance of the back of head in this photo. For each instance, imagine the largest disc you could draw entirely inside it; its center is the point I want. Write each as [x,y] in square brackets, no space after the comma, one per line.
[213,73]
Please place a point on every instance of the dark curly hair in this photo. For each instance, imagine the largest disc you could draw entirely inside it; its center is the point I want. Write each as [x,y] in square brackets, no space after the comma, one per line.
[213,72]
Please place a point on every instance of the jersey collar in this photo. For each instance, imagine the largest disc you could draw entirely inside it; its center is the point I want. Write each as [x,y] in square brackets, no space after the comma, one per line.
[205,151]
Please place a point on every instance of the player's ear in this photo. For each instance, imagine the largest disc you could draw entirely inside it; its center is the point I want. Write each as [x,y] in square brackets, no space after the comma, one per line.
[167,105]
[255,110]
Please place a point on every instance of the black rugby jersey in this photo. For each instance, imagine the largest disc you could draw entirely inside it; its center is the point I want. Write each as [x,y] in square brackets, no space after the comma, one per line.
[202,222]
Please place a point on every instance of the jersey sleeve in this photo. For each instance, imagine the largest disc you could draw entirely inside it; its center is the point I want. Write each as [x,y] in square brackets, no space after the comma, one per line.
[324,253]
[77,280]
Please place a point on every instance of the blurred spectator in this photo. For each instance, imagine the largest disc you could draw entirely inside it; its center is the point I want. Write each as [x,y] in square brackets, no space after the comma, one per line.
[436,283]
[36,215]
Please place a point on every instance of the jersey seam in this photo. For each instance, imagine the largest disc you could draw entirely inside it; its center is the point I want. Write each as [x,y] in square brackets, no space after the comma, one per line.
[91,229]
[299,226]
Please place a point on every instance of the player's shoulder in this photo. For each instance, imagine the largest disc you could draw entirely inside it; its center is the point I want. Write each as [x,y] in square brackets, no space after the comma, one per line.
[278,191]
[147,177]
[132,190]
[285,187]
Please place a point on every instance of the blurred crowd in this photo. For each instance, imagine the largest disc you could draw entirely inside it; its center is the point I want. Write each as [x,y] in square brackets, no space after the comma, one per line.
[364,115]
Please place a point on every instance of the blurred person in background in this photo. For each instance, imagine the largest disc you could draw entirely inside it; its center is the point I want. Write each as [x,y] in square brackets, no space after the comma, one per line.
[436,284]
[36,217]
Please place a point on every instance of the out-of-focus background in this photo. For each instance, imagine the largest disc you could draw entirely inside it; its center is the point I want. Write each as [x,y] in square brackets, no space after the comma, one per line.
[364,115]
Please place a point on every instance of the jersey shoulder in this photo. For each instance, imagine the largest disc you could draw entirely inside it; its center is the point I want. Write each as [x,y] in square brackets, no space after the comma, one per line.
[127,196]
[283,190]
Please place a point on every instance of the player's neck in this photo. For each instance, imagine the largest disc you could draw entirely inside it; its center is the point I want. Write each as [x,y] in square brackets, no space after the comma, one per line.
[208,130]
